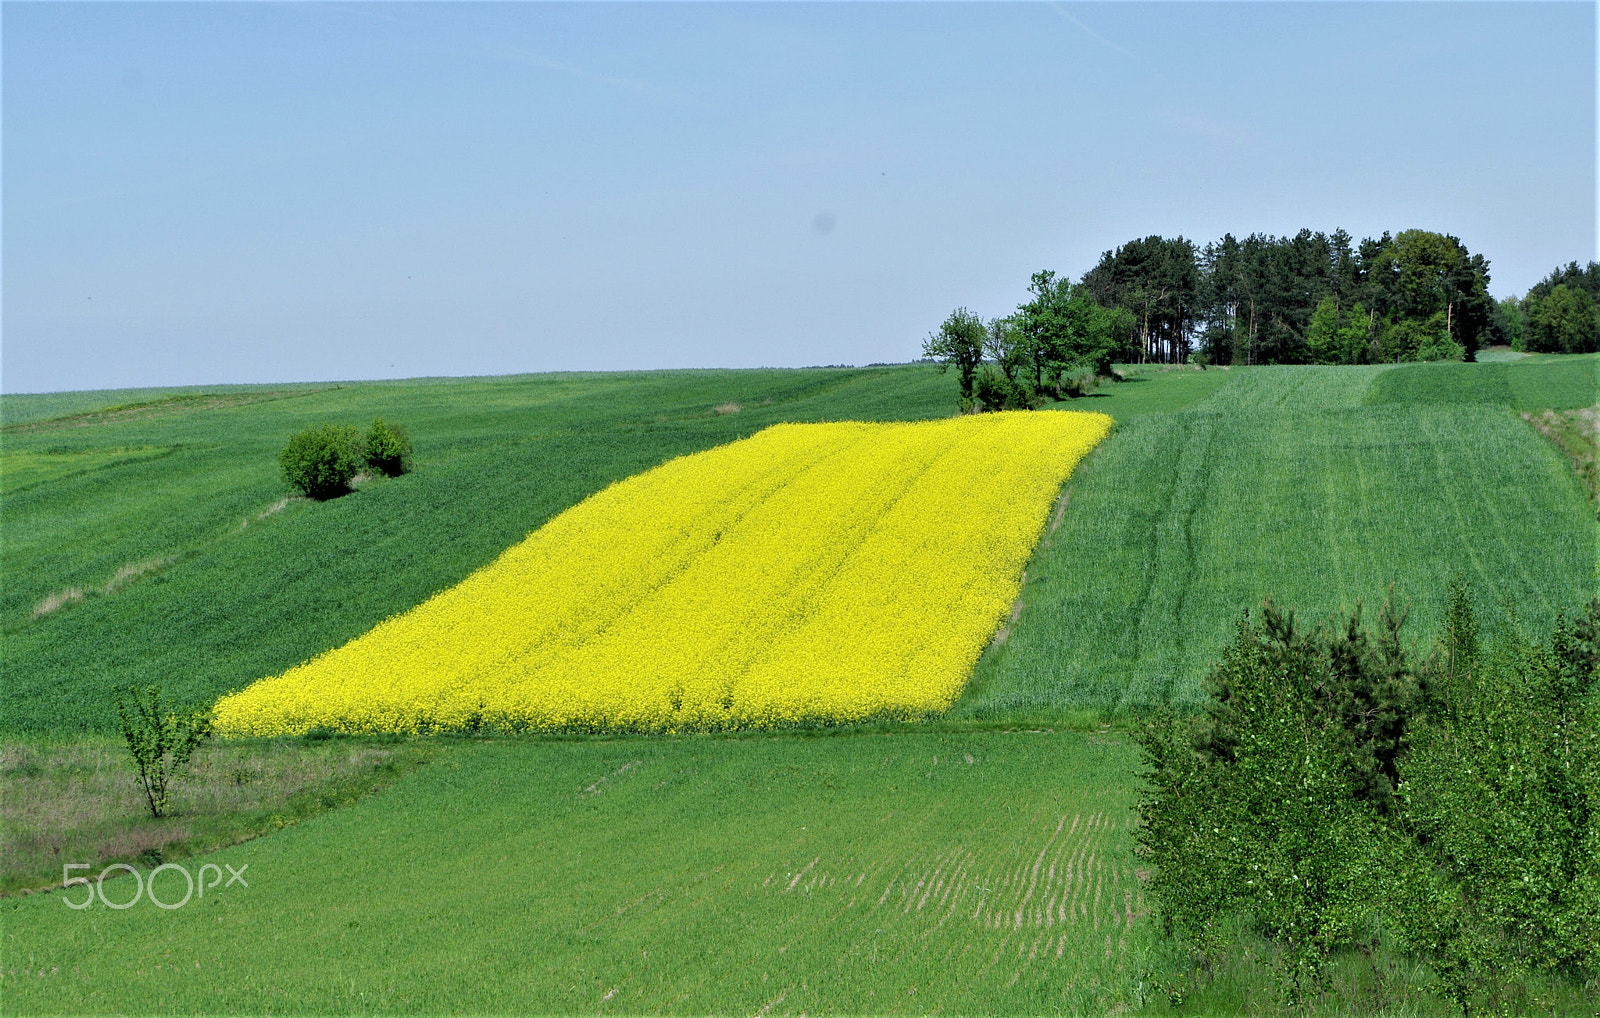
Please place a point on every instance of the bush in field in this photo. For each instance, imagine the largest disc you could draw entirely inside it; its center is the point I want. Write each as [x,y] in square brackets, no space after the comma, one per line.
[1272,803]
[1329,783]
[994,391]
[320,462]
[388,450]
[1500,793]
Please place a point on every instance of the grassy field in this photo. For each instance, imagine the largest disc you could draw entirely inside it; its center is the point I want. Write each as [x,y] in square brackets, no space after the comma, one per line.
[884,873]
[1315,486]
[1533,383]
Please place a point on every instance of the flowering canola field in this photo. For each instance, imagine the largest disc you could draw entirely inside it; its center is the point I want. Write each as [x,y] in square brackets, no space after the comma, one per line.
[812,572]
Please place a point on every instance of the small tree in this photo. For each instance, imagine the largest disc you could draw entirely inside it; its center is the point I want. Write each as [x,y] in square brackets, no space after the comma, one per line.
[959,343]
[388,448]
[321,461]
[994,391]
[161,740]
[1067,334]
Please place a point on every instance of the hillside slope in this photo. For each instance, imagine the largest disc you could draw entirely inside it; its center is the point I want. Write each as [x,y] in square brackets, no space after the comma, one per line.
[1318,486]
[165,512]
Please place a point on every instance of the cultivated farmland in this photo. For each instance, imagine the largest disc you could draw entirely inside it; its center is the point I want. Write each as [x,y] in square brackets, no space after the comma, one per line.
[980,862]
[1315,486]
[243,583]
[870,873]
[760,583]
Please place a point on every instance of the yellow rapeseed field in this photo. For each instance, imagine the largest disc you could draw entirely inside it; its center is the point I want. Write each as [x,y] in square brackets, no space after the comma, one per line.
[812,572]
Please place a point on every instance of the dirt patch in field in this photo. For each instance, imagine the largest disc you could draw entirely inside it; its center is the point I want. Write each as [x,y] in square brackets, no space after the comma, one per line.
[274,509]
[1004,632]
[128,573]
[134,571]
[56,600]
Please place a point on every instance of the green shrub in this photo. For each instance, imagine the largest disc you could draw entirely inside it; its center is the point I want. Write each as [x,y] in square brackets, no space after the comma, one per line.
[1266,805]
[994,390]
[1329,784]
[1440,347]
[321,461]
[388,449]
[1501,796]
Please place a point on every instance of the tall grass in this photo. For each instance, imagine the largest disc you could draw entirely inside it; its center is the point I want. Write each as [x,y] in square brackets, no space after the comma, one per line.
[79,800]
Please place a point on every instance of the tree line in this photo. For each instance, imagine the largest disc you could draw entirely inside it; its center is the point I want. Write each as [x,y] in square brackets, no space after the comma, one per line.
[1558,314]
[1052,347]
[1313,298]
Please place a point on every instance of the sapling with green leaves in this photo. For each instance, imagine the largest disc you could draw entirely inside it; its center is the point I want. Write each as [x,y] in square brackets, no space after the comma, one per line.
[1272,802]
[161,740]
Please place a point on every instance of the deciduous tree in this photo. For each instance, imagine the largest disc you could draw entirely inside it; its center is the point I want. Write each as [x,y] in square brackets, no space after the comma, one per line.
[958,343]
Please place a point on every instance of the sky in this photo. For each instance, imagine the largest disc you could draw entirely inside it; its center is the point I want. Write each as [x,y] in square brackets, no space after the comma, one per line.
[207,193]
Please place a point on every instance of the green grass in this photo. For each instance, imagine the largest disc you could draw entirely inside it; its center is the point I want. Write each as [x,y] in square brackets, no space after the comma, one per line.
[1271,488]
[1295,389]
[1532,383]
[1146,392]
[34,408]
[23,469]
[1497,354]
[859,873]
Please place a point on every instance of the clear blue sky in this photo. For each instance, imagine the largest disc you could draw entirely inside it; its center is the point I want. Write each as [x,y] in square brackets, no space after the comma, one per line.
[201,193]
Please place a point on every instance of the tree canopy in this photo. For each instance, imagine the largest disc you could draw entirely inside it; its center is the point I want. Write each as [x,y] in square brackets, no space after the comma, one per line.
[1559,314]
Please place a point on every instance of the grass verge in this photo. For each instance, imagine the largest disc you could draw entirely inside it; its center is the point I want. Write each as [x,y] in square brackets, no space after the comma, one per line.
[79,800]
[1577,434]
